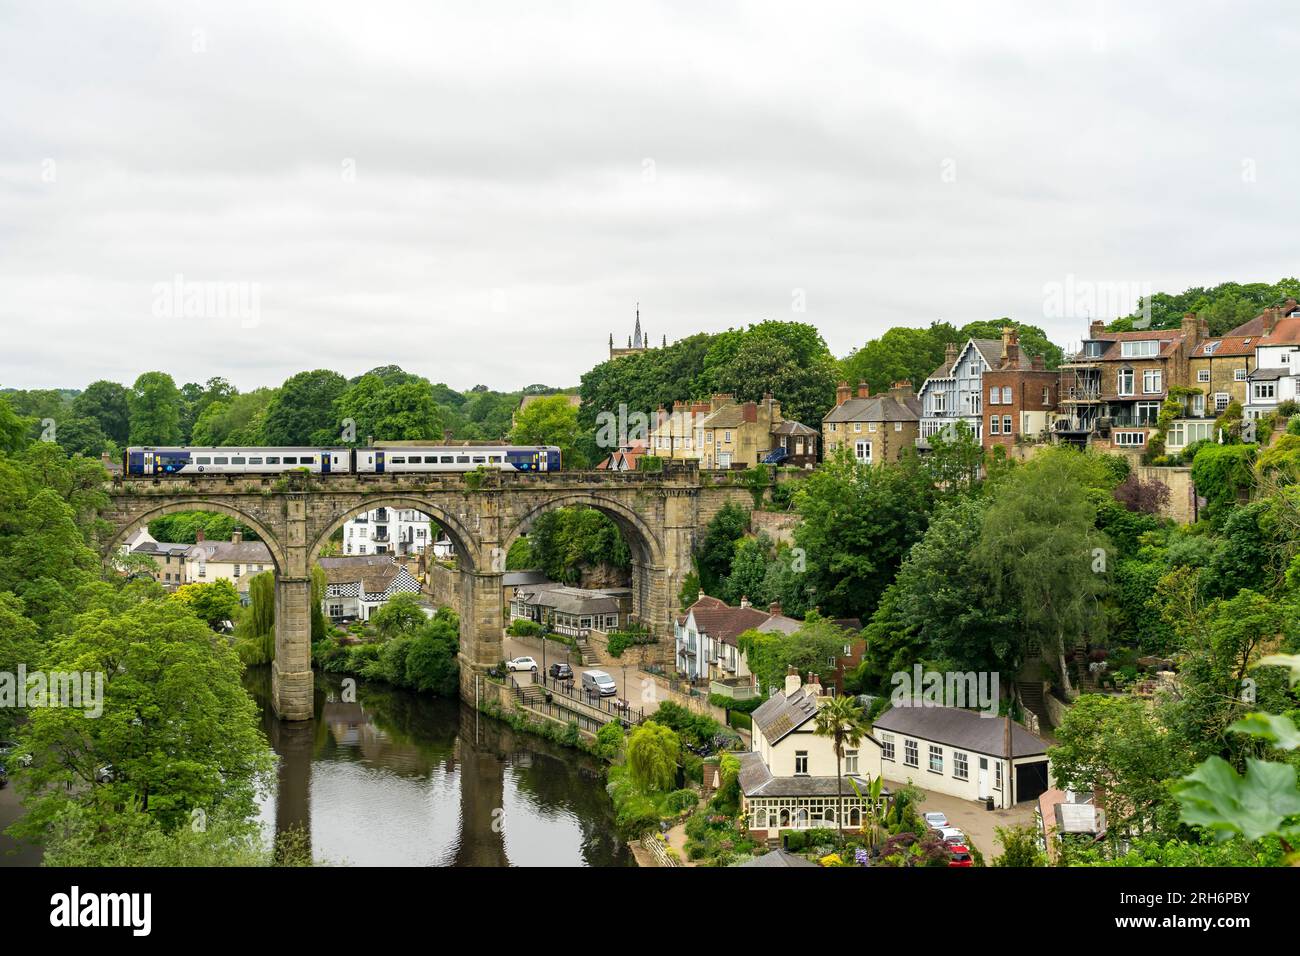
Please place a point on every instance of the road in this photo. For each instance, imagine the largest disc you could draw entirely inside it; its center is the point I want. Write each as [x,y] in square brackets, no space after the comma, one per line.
[641,695]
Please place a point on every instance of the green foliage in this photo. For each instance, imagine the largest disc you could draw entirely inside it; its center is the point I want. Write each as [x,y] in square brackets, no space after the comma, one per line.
[155,405]
[302,411]
[551,421]
[1019,847]
[522,627]
[770,655]
[568,542]
[859,521]
[1224,307]
[213,602]
[652,751]
[610,740]
[714,557]
[183,527]
[386,410]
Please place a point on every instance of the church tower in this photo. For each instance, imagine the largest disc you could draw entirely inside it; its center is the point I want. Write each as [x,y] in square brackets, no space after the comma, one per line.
[637,342]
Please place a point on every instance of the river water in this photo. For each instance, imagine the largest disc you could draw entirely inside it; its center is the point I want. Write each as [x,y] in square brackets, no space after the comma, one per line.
[401,779]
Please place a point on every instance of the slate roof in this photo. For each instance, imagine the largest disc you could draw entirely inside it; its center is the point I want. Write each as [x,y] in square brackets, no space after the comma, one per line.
[780,858]
[728,416]
[1268,374]
[1256,325]
[230,552]
[963,729]
[780,714]
[877,408]
[789,427]
[756,780]
[373,574]
[991,349]
[779,624]
[570,600]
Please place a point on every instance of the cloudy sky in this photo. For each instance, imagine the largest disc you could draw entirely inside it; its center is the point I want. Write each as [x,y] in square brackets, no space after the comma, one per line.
[482,192]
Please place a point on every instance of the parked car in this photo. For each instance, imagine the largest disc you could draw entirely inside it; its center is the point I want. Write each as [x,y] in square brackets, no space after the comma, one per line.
[561,672]
[960,855]
[106,774]
[950,835]
[935,819]
[522,664]
[598,683]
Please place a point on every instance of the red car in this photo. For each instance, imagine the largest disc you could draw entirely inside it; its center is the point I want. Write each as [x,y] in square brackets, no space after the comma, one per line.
[960,855]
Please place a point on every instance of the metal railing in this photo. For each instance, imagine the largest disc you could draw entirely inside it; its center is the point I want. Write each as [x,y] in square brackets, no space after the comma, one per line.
[573,691]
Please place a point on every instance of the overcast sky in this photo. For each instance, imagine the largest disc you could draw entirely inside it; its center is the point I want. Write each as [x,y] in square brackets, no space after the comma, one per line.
[482,192]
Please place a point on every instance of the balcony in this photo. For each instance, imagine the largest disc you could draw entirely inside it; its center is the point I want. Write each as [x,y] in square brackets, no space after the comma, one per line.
[736,688]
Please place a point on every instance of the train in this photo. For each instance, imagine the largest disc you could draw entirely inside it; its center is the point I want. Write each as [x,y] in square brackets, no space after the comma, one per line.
[150,462]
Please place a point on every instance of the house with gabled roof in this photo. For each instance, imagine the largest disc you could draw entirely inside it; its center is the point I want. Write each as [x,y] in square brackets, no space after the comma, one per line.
[954,392]
[358,585]
[788,778]
[874,428]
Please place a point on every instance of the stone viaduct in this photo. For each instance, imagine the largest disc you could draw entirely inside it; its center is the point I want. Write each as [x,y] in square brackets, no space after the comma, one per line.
[660,515]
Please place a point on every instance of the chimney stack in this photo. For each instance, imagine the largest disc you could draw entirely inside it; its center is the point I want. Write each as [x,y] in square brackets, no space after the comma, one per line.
[863,390]
[950,352]
[236,537]
[199,536]
[792,681]
[1191,328]
[774,609]
[842,393]
[1270,320]
[1010,347]
[744,601]
[814,688]
[1037,364]
[1095,328]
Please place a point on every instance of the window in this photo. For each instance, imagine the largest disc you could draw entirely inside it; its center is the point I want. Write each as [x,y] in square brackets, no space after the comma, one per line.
[221,460]
[871,426]
[290,460]
[1006,394]
[936,759]
[1006,424]
[994,427]
[254,461]
[236,570]
[997,775]
[898,426]
[993,395]
[203,460]
[1265,390]
[1239,374]
[726,438]
[1203,375]
[857,426]
[336,610]
[1047,395]
[1286,360]
[960,765]
[911,756]
[273,459]
[239,461]
[862,451]
[1124,382]
[1221,400]
[462,459]
[938,403]
[1146,349]
[850,761]
[1151,380]
[1130,439]
[887,747]
[834,428]
[801,763]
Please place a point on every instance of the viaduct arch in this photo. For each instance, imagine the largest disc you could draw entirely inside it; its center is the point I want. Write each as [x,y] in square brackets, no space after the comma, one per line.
[660,516]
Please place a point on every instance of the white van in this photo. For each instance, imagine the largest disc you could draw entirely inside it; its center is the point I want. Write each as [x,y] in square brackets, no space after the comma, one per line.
[598,683]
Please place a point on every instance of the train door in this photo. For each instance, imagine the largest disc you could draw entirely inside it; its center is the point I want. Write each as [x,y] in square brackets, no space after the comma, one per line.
[379,462]
[542,460]
[325,458]
[148,463]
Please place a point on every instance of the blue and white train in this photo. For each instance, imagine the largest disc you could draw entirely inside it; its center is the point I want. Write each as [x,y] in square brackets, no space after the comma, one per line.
[148,462]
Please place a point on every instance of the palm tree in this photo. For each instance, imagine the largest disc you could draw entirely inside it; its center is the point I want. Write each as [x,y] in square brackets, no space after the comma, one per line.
[841,719]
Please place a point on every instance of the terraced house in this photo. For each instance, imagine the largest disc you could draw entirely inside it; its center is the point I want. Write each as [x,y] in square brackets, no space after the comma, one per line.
[875,428]
[1019,402]
[1112,388]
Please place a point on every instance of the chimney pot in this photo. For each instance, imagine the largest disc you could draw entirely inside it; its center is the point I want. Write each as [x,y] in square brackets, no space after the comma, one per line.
[236,536]
[774,609]
[863,390]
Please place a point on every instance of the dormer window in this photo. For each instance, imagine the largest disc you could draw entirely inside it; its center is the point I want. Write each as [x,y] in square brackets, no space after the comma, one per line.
[1092,349]
[1143,349]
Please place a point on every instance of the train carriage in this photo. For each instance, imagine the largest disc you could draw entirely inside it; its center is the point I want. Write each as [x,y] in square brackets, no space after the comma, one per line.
[143,461]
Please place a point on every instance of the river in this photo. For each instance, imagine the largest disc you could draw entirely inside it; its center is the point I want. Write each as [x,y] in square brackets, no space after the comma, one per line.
[401,779]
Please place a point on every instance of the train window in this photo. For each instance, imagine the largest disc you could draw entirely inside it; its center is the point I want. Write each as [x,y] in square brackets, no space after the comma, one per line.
[290,460]
[479,459]
[254,461]
[273,459]
[495,459]
[203,461]
[397,461]
[239,461]
[220,460]
[307,460]
[431,459]
[462,459]
[448,460]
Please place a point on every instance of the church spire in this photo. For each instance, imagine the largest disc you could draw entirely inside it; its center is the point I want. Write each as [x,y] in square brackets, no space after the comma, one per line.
[636,334]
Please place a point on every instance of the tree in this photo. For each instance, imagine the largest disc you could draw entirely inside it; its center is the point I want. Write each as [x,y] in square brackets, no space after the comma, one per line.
[573,544]
[212,602]
[842,720]
[237,420]
[789,360]
[13,428]
[302,411]
[177,728]
[1111,744]
[718,549]
[1040,547]
[1019,847]
[748,572]
[550,421]
[771,655]
[387,411]
[859,521]
[954,460]
[107,404]
[19,644]
[155,405]
[652,752]
[401,614]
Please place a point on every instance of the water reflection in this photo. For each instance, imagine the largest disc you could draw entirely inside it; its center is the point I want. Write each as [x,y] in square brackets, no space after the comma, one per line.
[397,779]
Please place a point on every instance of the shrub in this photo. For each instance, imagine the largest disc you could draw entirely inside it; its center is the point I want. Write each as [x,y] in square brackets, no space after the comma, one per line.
[679,801]
[609,741]
[1222,473]
[522,627]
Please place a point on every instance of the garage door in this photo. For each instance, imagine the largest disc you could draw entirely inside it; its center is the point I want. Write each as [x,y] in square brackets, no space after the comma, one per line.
[1031,780]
